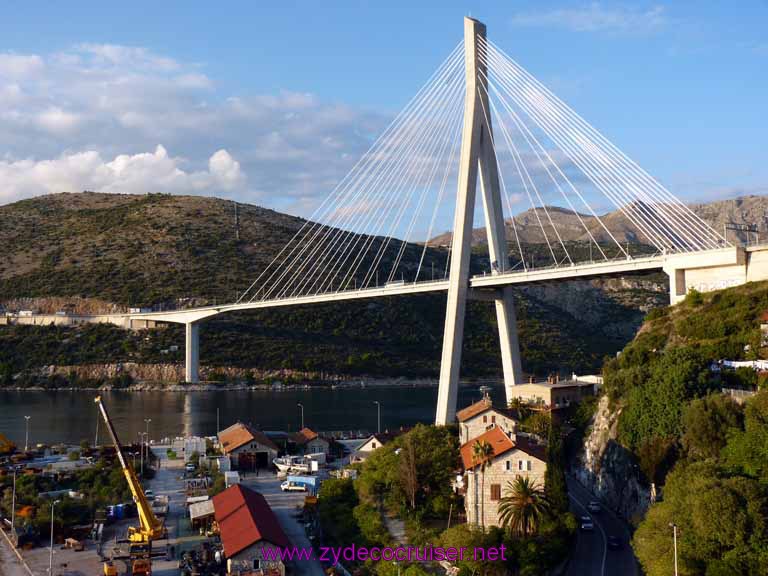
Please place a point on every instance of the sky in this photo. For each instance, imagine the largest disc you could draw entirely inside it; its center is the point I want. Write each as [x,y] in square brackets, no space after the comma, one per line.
[272,103]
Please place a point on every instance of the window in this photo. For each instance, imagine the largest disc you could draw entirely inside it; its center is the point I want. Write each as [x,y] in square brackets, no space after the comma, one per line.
[520,465]
[485,418]
[373,445]
[509,465]
[493,419]
[495,491]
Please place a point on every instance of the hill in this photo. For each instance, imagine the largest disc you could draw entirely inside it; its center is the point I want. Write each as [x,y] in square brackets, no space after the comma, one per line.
[744,210]
[104,250]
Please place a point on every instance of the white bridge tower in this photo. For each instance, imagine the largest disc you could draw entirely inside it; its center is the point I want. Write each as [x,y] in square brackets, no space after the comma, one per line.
[477,156]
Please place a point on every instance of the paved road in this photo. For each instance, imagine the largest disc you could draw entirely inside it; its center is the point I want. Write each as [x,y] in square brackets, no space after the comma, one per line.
[591,556]
[285,505]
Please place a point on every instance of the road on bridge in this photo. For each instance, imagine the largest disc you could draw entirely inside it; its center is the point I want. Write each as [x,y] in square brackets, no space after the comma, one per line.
[590,555]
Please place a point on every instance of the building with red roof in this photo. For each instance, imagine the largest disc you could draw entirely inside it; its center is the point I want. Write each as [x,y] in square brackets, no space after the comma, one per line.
[486,479]
[247,525]
[247,448]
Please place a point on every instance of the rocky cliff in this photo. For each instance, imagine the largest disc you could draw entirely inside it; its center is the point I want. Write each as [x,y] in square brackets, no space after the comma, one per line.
[608,469]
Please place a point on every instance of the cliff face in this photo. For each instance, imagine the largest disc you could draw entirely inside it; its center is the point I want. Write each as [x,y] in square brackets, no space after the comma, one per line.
[612,307]
[608,469]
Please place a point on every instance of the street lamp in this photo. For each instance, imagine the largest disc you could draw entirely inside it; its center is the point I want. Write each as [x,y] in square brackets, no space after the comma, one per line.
[146,439]
[50,554]
[378,416]
[300,405]
[13,507]
[674,538]
[26,435]
[141,454]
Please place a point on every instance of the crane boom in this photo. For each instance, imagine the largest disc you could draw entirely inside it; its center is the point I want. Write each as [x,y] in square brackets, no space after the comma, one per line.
[151,528]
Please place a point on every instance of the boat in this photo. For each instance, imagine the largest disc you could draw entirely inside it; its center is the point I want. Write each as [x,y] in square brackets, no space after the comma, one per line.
[292,464]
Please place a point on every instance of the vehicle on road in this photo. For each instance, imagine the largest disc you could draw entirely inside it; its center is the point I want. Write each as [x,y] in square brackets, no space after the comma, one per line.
[594,507]
[586,524]
[614,543]
[288,486]
[189,467]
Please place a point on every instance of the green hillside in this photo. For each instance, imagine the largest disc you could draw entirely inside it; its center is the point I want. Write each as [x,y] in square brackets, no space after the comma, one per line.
[180,250]
[708,453]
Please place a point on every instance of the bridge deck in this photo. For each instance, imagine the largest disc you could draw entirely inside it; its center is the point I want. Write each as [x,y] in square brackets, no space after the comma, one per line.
[485,281]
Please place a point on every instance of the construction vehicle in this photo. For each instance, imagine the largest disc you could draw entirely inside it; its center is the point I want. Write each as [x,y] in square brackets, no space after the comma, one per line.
[150,528]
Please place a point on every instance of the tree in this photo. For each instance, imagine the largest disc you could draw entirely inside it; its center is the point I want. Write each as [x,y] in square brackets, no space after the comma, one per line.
[720,519]
[409,471]
[523,507]
[555,485]
[706,422]
[482,452]
[747,449]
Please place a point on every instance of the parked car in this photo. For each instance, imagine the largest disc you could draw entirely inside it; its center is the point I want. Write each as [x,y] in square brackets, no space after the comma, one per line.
[614,542]
[292,487]
[149,494]
[594,507]
[189,467]
[586,524]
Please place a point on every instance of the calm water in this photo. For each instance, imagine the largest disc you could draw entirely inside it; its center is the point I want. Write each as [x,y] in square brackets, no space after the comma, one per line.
[67,416]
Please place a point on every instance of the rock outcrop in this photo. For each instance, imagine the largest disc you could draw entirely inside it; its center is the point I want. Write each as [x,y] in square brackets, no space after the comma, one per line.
[608,469]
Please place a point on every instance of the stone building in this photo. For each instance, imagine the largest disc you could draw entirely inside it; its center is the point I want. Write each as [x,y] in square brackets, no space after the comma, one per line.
[480,417]
[510,459]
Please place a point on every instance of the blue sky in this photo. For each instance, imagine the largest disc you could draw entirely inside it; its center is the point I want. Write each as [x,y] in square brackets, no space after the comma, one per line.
[271,102]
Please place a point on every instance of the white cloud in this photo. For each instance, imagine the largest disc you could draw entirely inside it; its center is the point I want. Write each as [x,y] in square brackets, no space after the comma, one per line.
[57,121]
[138,173]
[596,17]
[64,115]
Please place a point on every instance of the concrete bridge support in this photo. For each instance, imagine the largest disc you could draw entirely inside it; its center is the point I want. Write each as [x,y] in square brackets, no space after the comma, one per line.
[192,352]
[477,155]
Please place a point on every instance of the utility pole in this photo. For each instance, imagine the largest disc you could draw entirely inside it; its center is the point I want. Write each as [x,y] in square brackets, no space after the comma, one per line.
[50,553]
[300,405]
[146,439]
[378,414]
[26,434]
[13,507]
[96,439]
[674,539]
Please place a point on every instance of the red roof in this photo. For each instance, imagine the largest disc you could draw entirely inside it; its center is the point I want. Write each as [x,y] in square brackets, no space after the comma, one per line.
[474,409]
[764,317]
[240,434]
[498,440]
[244,518]
[304,435]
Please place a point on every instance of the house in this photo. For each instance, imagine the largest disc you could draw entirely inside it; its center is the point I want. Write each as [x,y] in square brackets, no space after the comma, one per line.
[481,416]
[310,442]
[372,443]
[247,526]
[554,393]
[247,448]
[484,486]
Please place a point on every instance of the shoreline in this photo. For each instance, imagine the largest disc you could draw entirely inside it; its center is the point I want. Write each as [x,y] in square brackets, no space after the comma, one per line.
[212,387]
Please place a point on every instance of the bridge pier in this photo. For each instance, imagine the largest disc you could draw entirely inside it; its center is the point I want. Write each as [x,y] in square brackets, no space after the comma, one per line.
[192,352]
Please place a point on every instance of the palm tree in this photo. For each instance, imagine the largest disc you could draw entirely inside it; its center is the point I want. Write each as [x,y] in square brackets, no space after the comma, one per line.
[482,452]
[523,507]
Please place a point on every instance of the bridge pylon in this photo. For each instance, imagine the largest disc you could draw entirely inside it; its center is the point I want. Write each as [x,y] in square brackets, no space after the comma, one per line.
[477,156]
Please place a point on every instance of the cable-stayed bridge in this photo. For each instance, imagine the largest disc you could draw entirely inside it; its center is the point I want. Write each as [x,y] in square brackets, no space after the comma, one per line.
[482,117]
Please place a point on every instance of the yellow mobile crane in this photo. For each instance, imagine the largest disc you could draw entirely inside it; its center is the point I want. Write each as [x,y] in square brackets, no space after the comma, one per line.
[140,539]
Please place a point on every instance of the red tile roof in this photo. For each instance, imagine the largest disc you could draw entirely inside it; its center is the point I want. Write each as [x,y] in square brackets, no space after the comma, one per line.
[764,317]
[304,435]
[498,440]
[240,434]
[501,443]
[474,409]
[244,518]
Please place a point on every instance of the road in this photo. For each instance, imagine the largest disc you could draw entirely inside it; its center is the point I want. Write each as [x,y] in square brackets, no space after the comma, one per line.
[590,555]
[285,505]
